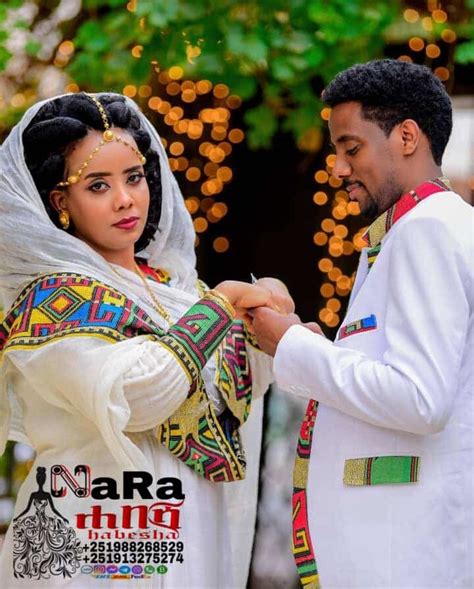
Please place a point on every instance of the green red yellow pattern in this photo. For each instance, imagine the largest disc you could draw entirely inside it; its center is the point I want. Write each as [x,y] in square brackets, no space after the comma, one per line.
[303,551]
[381,470]
[71,305]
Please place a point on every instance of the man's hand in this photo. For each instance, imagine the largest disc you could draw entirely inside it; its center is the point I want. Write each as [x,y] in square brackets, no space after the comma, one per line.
[269,327]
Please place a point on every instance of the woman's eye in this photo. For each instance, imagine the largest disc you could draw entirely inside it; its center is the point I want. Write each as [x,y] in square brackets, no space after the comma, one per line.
[135,177]
[98,186]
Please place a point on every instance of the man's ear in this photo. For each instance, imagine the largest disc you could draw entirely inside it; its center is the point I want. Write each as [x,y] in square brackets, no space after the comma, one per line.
[57,199]
[410,135]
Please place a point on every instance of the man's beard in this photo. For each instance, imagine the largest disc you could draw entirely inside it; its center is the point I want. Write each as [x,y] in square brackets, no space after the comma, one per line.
[387,196]
[370,212]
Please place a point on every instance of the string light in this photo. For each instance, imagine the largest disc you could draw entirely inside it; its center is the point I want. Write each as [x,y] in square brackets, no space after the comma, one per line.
[236,136]
[427,23]
[321,176]
[333,236]
[144,91]
[416,44]
[442,73]
[325,113]
[221,244]
[448,35]
[320,198]
[154,102]
[137,51]
[175,73]
[439,16]
[433,51]
[411,15]
[199,138]
[72,87]
[129,90]
[221,91]
[320,238]
[203,87]
[200,224]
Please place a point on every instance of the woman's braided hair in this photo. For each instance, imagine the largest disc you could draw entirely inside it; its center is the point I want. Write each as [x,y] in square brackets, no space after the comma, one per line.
[62,122]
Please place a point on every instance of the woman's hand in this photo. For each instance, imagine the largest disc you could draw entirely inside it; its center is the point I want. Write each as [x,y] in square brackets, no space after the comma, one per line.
[281,300]
[243,296]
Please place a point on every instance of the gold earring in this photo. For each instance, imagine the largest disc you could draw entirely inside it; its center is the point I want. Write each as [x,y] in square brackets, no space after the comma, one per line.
[64,220]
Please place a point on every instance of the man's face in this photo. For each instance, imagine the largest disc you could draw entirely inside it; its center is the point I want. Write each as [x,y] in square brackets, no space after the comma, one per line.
[366,159]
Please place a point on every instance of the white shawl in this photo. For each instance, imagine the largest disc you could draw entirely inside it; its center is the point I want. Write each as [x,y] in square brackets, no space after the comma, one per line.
[30,244]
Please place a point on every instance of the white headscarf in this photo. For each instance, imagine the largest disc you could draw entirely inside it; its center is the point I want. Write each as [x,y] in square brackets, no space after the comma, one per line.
[30,244]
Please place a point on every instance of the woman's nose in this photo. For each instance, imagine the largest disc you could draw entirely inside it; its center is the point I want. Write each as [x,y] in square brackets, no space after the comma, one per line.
[123,198]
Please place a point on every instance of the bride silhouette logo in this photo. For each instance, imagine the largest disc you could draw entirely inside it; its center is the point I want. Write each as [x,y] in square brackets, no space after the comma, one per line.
[43,545]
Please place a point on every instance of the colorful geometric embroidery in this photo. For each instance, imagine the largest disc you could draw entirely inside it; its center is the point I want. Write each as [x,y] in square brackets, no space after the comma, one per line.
[233,374]
[359,326]
[250,338]
[303,551]
[372,255]
[155,274]
[65,305]
[201,330]
[381,470]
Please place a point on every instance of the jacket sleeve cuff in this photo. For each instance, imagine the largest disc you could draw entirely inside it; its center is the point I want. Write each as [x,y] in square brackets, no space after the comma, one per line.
[296,356]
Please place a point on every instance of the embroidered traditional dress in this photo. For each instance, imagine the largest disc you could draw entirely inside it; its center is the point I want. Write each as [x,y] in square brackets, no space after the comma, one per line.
[94,378]
[383,477]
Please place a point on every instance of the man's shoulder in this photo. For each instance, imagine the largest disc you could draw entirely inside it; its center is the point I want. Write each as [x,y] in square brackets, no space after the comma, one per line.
[439,231]
[448,207]
[444,212]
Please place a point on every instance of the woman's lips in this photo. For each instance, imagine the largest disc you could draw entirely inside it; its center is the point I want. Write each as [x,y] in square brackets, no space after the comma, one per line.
[127,224]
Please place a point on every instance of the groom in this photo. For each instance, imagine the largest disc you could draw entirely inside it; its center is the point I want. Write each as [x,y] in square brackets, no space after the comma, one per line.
[383,475]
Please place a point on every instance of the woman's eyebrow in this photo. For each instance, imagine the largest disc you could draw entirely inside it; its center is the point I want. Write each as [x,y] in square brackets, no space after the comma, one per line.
[99,174]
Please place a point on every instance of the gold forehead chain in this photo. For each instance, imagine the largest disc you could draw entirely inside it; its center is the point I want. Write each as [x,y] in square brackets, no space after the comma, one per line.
[107,136]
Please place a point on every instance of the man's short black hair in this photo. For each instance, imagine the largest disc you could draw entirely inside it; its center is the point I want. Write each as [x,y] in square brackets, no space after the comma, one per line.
[391,91]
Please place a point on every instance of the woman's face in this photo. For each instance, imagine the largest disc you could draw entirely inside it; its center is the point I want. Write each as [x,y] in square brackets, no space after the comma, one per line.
[108,207]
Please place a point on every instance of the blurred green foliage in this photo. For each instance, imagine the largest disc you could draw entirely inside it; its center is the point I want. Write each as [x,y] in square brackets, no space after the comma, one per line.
[275,54]
[266,51]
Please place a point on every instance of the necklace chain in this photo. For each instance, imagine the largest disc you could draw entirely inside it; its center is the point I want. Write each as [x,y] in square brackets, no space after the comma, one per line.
[159,308]
[156,303]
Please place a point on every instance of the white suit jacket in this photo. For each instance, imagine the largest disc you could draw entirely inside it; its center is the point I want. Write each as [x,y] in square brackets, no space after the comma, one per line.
[404,386]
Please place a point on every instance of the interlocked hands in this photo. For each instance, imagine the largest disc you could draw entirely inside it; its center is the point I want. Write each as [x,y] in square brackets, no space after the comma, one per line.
[266,307]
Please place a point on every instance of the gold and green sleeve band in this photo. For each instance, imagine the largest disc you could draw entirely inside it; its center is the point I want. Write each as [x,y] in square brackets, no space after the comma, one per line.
[194,338]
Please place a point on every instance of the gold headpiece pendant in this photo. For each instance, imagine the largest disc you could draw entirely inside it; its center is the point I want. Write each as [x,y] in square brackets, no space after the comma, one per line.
[107,136]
